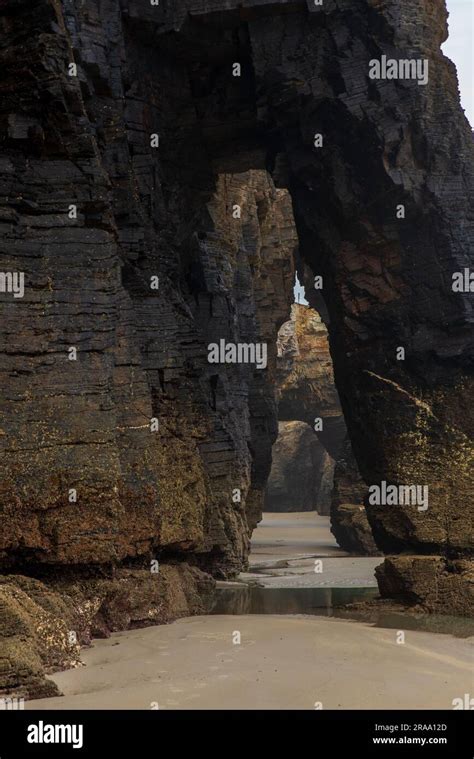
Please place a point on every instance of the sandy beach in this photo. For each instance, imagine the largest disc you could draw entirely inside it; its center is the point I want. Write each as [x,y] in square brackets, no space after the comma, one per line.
[282,662]
[286,545]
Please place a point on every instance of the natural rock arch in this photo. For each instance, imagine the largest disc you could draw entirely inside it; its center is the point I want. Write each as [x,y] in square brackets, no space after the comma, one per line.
[387,281]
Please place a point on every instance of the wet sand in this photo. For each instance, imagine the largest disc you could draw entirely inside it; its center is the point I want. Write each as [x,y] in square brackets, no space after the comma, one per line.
[292,534]
[282,662]
[286,545]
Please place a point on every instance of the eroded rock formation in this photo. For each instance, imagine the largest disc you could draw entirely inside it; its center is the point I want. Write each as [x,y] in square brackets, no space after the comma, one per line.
[301,467]
[305,380]
[216,428]
[122,173]
[85,481]
[306,391]
[432,584]
[349,523]
[44,624]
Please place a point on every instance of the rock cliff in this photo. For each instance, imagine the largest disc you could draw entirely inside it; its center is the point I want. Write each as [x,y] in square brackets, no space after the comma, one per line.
[145,184]
[120,442]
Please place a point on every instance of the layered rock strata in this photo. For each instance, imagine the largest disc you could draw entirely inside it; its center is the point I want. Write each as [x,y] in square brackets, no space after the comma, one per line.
[120,441]
[122,127]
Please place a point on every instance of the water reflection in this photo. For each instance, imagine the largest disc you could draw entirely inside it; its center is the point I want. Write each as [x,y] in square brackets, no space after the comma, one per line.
[334,602]
[253,599]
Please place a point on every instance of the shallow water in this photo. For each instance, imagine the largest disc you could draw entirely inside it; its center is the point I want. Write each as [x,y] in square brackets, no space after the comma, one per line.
[253,599]
[460,627]
[333,602]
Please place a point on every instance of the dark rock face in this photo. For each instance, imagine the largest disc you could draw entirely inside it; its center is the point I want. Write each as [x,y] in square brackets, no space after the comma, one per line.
[125,175]
[349,523]
[96,218]
[299,465]
[138,491]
